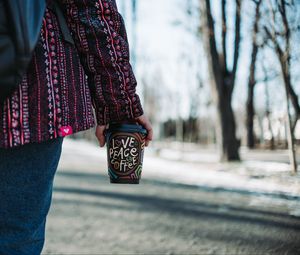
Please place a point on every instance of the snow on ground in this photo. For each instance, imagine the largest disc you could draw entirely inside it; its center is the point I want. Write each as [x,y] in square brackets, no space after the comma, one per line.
[190,167]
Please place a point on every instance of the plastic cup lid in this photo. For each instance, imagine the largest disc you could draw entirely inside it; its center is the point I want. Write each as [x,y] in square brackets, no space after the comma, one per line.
[131,128]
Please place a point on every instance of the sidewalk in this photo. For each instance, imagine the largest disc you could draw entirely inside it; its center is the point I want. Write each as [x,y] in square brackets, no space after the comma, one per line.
[178,207]
[200,169]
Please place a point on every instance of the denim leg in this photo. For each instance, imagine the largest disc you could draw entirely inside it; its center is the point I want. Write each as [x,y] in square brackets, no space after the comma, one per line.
[26,181]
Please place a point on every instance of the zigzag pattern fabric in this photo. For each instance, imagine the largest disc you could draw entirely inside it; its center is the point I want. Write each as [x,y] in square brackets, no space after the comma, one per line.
[64,82]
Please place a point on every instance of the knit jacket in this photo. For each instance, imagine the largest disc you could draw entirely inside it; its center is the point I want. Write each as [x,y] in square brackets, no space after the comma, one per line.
[65,82]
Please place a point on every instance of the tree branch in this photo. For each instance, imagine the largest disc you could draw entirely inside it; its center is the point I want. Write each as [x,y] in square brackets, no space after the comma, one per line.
[211,43]
[236,41]
[287,31]
[224,34]
[255,46]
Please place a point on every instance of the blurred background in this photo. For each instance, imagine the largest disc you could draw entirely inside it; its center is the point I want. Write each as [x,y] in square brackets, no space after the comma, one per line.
[220,82]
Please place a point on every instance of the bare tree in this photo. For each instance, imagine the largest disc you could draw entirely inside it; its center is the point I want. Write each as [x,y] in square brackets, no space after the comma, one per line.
[267,79]
[278,31]
[222,78]
[252,79]
[134,32]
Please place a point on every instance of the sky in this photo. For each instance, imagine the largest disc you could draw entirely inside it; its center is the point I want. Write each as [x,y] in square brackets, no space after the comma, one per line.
[166,49]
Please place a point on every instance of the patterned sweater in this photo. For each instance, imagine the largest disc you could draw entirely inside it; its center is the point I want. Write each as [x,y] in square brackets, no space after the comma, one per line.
[65,82]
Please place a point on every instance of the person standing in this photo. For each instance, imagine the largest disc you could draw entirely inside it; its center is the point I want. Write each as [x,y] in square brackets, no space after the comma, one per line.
[64,82]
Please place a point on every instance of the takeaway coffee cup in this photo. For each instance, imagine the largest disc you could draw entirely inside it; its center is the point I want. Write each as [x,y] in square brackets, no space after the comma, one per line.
[125,145]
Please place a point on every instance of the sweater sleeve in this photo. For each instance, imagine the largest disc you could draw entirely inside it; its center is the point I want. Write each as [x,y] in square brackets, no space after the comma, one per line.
[100,36]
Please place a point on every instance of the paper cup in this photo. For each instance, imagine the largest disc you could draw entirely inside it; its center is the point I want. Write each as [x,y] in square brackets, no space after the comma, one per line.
[125,145]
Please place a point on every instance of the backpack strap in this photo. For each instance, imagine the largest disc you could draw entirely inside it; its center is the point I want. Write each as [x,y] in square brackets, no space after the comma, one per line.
[62,23]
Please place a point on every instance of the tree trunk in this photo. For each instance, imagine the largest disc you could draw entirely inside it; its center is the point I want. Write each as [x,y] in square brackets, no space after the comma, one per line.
[284,59]
[295,102]
[285,68]
[221,79]
[291,140]
[272,142]
[252,81]
[268,112]
[250,117]
[226,132]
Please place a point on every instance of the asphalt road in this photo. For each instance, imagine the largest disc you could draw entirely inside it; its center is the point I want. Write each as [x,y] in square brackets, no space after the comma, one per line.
[91,216]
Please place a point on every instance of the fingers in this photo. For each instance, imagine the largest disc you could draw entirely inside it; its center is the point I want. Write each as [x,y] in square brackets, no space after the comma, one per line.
[149,136]
[100,135]
[142,120]
[147,125]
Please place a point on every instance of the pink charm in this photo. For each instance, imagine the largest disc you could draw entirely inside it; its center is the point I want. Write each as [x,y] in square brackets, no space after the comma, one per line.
[65,130]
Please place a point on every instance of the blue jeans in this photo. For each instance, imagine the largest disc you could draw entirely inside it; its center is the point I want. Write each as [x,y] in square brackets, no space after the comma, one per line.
[26,181]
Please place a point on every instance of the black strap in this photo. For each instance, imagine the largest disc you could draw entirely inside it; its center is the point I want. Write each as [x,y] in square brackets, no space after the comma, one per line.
[63,24]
